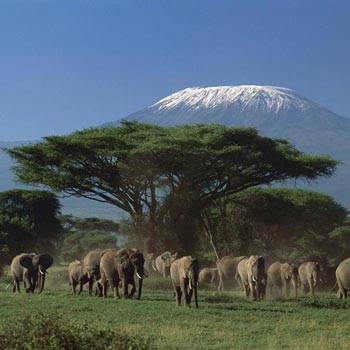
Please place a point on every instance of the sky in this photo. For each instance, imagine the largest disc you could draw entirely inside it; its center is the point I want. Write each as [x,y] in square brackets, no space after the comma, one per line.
[68,65]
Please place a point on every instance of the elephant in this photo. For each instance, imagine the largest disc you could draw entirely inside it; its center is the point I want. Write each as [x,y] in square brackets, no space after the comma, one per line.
[252,276]
[227,267]
[280,275]
[149,263]
[163,262]
[78,274]
[342,275]
[120,266]
[184,276]
[209,275]
[30,268]
[309,274]
[91,263]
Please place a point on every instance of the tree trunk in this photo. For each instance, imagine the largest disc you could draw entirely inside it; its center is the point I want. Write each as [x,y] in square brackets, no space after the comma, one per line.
[208,232]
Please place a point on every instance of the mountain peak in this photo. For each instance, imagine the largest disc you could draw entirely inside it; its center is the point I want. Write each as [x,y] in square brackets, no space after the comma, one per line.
[263,107]
[269,98]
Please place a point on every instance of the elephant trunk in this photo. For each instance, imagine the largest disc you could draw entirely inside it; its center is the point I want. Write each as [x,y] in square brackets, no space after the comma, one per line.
[140,273]
[42,281]
[295,284]
[195,296]
[140,288]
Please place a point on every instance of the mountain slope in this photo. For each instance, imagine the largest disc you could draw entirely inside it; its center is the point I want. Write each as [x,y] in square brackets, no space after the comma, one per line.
[274,111]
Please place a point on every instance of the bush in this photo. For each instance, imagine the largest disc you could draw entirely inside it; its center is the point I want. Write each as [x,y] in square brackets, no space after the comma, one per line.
[53,333]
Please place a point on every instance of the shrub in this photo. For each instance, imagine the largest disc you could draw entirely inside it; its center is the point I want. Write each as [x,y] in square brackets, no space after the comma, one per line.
[53,333]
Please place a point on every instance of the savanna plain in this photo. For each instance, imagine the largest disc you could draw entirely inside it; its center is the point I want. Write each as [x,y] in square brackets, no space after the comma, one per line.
[224,320]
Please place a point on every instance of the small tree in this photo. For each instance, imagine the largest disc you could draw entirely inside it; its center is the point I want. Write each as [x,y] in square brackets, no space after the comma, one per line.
[279,222]
[28,222]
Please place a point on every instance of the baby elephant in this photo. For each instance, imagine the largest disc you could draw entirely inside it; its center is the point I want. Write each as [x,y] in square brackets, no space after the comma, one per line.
[209,275]
[78,274]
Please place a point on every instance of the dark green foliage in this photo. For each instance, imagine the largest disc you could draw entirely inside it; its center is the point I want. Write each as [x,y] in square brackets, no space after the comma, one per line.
[53,333]
[28,222]
[82,235]
[160,175]
[280,223]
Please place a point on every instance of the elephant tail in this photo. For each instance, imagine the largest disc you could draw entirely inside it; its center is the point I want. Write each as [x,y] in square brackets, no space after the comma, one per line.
[334,287]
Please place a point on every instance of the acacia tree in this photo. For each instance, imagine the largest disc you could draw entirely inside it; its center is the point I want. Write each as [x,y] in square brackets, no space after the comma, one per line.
[127,167]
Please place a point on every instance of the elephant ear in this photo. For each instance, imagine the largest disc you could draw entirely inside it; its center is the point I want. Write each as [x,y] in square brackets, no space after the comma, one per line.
[165,256]
[104,252]
[195,265]
[122,257]
[173,257]
[27,262]
[44,260]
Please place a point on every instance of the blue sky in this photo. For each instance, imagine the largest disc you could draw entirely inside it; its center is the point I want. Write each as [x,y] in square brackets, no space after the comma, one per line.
[67,65]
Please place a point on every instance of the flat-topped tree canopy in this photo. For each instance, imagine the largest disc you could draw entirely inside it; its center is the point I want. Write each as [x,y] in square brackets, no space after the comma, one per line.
[125,165]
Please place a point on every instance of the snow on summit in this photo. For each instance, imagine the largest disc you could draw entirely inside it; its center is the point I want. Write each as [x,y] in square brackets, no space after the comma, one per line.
[269,98]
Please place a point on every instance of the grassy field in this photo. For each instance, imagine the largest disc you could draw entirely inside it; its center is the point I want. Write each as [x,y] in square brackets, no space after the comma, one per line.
[223,320]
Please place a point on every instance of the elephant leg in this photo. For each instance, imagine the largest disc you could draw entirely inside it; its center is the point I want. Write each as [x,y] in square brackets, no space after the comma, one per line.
[80,287]
[133,288]
[99,289]
[91,282]
[190,296]
[178,295]
[220,284]
[312,287]
[246,290]
[27,284]
[74,285]
[125,288]
[252,290]
[287,288]
[104,288]
[303,287]
[16,285]
[114,285]
[185,294]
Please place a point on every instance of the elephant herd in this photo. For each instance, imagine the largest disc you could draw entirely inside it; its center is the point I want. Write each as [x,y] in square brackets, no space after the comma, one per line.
[114,268]
[110,269]
[250,274]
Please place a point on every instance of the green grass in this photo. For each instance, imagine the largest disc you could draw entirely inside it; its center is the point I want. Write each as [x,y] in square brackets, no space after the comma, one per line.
[223,320]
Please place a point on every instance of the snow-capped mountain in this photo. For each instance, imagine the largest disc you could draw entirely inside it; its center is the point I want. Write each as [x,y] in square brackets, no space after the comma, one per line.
[274,111]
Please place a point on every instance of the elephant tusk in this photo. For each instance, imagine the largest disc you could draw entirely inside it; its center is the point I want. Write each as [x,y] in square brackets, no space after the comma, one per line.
[41,272]
[190,283]
[254,280]
[138,276]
